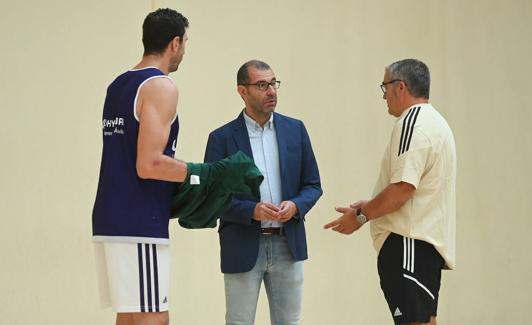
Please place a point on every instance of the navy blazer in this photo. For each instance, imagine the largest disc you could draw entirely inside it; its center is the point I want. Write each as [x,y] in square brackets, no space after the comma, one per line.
[300,182]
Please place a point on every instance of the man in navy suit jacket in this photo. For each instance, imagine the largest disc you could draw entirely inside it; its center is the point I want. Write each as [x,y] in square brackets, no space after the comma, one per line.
[265,240]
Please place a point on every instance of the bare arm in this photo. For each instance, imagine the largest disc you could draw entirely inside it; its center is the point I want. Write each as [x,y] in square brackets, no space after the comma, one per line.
[156,108]
[393,197]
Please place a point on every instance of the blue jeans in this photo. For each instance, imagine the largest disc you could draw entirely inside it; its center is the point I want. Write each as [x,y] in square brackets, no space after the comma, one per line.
[283,280]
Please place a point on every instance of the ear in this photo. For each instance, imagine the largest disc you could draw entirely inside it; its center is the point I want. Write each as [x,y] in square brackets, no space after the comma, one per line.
[242,91]
[402,86]
[176,43]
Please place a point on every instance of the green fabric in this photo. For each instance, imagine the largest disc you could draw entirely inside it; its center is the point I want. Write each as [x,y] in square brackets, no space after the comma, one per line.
[200,205]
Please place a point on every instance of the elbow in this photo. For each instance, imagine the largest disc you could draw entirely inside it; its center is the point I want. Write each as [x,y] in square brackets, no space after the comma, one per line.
[145,170]
[406,193]
[142,172]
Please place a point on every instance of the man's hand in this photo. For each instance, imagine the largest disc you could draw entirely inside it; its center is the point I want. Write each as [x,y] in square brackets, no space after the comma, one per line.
[347,223]
[288,209]
[265,211]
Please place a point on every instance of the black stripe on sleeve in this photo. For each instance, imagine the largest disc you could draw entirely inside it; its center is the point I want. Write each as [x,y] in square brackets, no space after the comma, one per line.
[408,125]
[403,133]
[405,138]
[416,113]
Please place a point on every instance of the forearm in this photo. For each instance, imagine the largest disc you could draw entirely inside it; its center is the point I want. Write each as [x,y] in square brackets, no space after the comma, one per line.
[162,168]
[392,198]
[306,199]
[310,190]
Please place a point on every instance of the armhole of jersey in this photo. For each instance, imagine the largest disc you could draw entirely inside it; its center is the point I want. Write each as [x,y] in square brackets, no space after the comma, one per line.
[137,96]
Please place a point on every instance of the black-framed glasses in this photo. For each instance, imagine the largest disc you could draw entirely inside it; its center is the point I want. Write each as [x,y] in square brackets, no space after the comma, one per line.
[263,85]
[383,85]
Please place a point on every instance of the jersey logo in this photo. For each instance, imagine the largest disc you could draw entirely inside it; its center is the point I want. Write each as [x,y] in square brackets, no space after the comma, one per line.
[174,145]
[113,126]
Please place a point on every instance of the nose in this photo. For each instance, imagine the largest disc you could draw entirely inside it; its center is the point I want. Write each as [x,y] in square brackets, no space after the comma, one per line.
[384,96]
[271,90]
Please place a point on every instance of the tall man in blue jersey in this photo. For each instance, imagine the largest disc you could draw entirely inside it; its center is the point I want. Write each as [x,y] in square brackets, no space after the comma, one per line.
[137,175]
[265,240]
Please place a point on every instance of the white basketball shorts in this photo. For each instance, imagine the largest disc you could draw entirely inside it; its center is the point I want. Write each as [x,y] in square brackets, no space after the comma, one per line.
[133,277]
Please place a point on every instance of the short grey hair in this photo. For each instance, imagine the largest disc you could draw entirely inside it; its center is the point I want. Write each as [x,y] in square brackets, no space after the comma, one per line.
[414,73]
[242,76]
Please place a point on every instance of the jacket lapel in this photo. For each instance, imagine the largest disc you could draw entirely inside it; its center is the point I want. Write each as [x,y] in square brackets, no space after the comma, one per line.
[282,134]
[241,136]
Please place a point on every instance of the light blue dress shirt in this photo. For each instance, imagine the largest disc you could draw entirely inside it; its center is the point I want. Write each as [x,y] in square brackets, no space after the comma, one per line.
[266,156]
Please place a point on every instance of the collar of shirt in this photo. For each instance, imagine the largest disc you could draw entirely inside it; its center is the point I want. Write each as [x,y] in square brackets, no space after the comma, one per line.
[253,126]
[422,105]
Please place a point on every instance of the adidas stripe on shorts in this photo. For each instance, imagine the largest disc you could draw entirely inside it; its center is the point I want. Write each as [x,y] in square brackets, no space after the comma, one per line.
[133,277]
[410,275]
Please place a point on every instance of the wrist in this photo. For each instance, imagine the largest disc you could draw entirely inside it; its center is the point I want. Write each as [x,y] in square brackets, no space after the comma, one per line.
[360,216]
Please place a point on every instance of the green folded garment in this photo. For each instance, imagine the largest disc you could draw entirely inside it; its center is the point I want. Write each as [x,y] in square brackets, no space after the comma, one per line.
[208,189]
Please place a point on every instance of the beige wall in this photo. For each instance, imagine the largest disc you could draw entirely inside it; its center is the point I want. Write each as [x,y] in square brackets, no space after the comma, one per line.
[57,58]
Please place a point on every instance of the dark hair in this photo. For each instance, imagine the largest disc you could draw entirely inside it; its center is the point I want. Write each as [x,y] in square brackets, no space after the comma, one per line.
[414,73]
[242,76]
[160,28]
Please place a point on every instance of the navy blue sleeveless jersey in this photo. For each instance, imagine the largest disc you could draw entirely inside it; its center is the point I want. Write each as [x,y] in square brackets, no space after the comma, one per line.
[128,208]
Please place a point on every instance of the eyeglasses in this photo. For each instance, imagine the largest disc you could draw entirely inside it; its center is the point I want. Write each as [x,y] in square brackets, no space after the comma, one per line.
[383,85]
[263,85]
